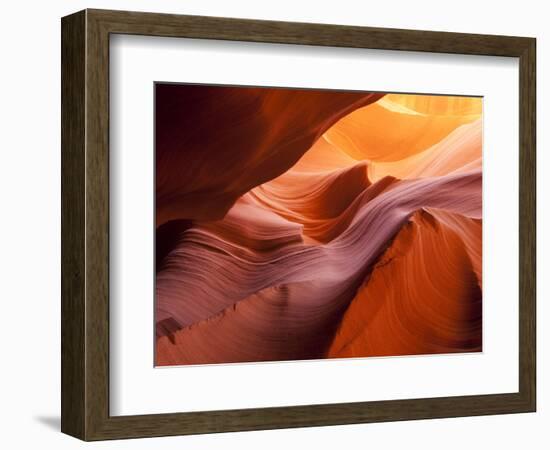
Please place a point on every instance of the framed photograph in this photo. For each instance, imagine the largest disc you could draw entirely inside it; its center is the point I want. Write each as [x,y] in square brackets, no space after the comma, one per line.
[270,225]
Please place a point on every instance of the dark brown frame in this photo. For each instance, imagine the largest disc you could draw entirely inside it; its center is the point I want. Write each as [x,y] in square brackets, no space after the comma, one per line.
[85,224]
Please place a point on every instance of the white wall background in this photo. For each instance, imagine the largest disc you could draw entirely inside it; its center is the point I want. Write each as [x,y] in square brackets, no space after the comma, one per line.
[30,222]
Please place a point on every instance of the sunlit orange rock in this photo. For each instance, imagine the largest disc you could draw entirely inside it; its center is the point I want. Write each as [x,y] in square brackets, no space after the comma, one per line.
[437,105]
[385,131]
[460,151]
[421,297]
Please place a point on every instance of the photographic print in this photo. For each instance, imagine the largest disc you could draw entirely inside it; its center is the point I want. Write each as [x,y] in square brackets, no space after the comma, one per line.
[298,224]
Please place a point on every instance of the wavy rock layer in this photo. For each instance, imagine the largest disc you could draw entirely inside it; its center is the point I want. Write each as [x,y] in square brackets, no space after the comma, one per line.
[434,314]
[297,224]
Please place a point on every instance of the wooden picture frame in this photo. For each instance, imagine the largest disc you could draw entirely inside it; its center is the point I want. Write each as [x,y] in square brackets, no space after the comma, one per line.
[85,224]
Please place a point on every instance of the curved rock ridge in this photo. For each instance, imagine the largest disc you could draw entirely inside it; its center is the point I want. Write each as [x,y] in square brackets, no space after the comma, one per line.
[417,312]
[324,204]
[460,151]
[294,245]
[214,143]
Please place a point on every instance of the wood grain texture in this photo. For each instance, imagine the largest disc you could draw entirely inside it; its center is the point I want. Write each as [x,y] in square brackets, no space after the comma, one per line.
[527,224]
[73,109]
[85,224]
